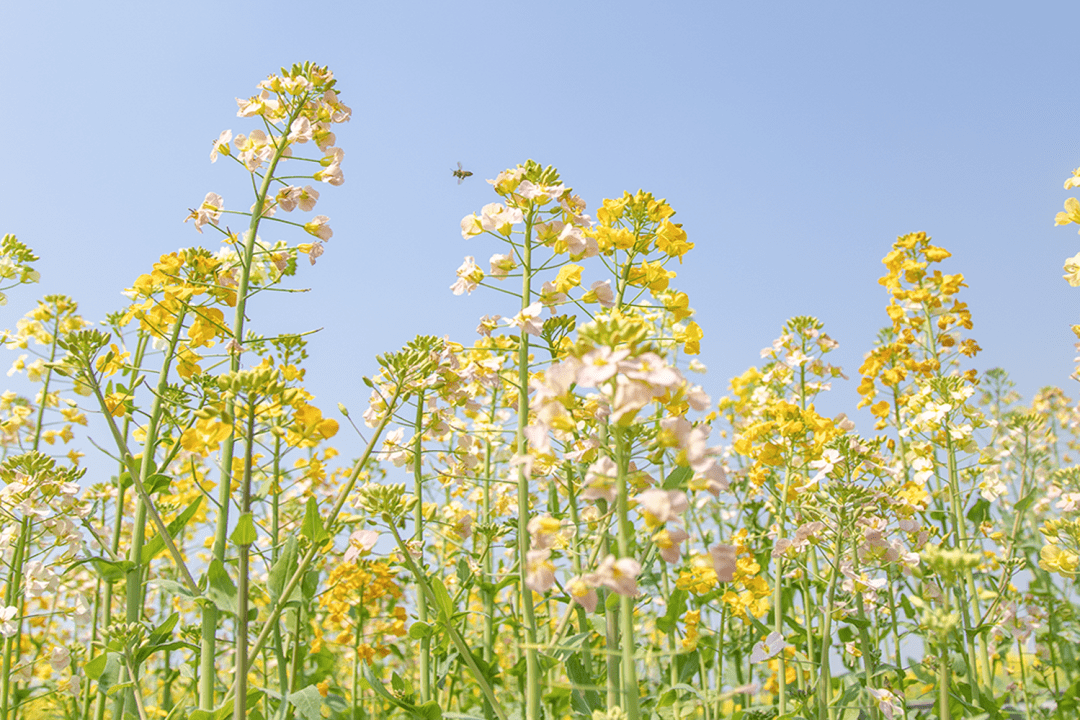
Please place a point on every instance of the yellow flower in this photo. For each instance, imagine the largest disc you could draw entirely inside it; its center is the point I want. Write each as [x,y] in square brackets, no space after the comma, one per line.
[569,277]
[309,427]
[187,362]
[1055,559]
[112,362]
[114,403]
[208,324]
[678,305]
[880,409]
[690,337]
[611,210]
[205,436]
[1071,213]
[671,239]
[1072,270]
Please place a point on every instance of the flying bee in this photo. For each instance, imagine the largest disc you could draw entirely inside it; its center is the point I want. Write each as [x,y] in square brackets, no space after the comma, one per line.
[461,174]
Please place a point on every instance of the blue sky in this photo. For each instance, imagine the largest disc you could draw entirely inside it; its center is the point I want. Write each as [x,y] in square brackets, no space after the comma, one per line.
[795,141]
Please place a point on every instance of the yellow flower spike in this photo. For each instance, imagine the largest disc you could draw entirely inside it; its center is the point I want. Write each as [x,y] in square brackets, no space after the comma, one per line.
[912,240]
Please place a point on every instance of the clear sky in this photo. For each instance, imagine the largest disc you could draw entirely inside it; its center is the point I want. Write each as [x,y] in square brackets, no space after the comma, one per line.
[796,140]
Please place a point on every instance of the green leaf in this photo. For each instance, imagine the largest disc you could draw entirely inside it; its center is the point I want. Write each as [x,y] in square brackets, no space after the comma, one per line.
[688,664]
[244,533]
[109,570]
[308,703]
[858,622]
[312,527]
[584,698]
[400,686]
[310,584]
[420,630]
[110,672]
[442,599]
[677,478]
[979,511]
[162,631]
[284,568]
[173,587]
[156,544]
[1068,700]
[157,640]
[686,688]
[157,483]
[1023,503]
[94,667]
[220,588]
[225,710]
[675,610]
[427,711]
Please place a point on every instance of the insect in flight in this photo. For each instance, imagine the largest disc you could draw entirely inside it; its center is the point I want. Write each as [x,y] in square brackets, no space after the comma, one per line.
[461,174]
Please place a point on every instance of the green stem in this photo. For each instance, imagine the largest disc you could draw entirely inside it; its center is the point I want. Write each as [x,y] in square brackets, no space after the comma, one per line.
[244,549]
[626,603]
[455,637]
[13,644]
[943,664]
[418,539]
[275,611]
[825,679]
[965,592]
[532,663]
[208,643]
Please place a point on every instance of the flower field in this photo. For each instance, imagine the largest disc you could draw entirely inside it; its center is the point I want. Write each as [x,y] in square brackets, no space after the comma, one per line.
[550,519]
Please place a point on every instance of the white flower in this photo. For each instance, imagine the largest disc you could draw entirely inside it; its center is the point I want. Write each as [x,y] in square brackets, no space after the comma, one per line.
[888,702]
[539,570]
[469,276]
[221,145]
[208,212]
[768,648]
[360,542]
[59,658]
[527,319]
[8,628]
[824,466]
[319,227]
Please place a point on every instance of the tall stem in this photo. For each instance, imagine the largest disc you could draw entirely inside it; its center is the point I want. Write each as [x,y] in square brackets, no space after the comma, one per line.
[418,539]
[626,603]
[244,549]
[532,663]
[208,643]
[13,644]
[965,591]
